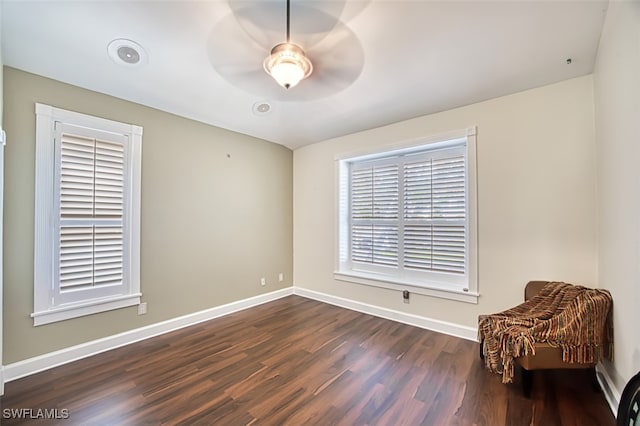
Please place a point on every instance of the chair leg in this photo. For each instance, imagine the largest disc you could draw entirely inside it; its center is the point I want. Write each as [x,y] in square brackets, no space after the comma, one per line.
[594,380]
[482,349]
[527,382]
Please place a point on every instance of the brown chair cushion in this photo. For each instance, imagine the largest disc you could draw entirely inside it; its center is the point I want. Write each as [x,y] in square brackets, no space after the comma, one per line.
[546,355]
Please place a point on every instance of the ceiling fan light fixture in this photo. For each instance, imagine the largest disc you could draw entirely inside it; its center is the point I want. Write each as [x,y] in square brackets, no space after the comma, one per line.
[288,65]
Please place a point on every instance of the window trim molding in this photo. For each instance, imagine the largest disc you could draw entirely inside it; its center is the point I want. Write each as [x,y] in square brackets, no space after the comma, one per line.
[393,283]
[399,285]
[44,230]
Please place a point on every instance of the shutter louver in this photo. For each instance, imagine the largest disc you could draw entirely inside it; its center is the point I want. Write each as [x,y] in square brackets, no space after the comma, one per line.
[435,215]
[76,257]
[91,211]
[374,215]
[418,250]
[417,190]
[449,248]
[76,177]
[377,244]
[109,179]
[362,194]
[448,180]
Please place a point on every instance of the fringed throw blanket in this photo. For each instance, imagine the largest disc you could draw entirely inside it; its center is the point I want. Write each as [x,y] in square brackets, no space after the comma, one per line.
[573,318]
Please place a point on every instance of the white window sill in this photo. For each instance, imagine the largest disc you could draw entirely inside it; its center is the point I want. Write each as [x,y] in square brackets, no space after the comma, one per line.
[65,312]
[395,284]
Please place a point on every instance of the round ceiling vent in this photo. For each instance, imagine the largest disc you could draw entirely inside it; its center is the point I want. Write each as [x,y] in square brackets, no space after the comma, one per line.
[261,108]
[127,52]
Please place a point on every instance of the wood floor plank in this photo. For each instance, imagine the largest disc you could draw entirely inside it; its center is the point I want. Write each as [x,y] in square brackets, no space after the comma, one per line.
[297,361]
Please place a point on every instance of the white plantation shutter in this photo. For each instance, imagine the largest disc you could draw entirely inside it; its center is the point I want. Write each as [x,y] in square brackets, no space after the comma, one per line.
[435,213]
[408,215]
[87,215]
[91,177]
[374,214]
[90,256]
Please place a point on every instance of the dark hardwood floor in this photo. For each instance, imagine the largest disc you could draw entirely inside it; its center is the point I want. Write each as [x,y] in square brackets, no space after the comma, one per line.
[296,361]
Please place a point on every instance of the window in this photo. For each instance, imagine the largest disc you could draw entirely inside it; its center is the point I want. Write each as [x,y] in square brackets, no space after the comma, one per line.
[87,226]
[407,217]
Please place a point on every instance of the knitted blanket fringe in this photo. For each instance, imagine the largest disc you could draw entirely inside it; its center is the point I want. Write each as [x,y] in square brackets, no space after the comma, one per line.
[574,318]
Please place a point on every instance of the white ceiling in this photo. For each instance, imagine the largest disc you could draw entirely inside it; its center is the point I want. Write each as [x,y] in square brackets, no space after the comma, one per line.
[376,62]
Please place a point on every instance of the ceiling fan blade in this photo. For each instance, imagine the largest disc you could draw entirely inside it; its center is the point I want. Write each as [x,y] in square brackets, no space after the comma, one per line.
[261,21]
[339,58]
[264,21]
[239,43]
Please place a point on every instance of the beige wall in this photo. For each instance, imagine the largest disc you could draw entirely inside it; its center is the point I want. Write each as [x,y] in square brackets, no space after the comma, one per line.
[211,225]
[536,199]
[617,110]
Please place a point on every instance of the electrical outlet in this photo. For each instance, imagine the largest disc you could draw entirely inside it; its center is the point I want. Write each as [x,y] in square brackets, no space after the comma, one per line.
[405,296]
[280,277]
[263,281]
[142,308]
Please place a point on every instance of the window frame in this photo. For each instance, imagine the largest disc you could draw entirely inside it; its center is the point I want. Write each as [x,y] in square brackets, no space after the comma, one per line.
[465,292]
[47,308]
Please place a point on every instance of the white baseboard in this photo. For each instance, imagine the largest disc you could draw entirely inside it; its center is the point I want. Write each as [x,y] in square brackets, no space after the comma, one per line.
[53,359]
[464,332]
[611,392]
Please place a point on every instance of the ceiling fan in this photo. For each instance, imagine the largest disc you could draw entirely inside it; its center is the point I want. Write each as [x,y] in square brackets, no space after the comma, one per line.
[287,63]
[253,30]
